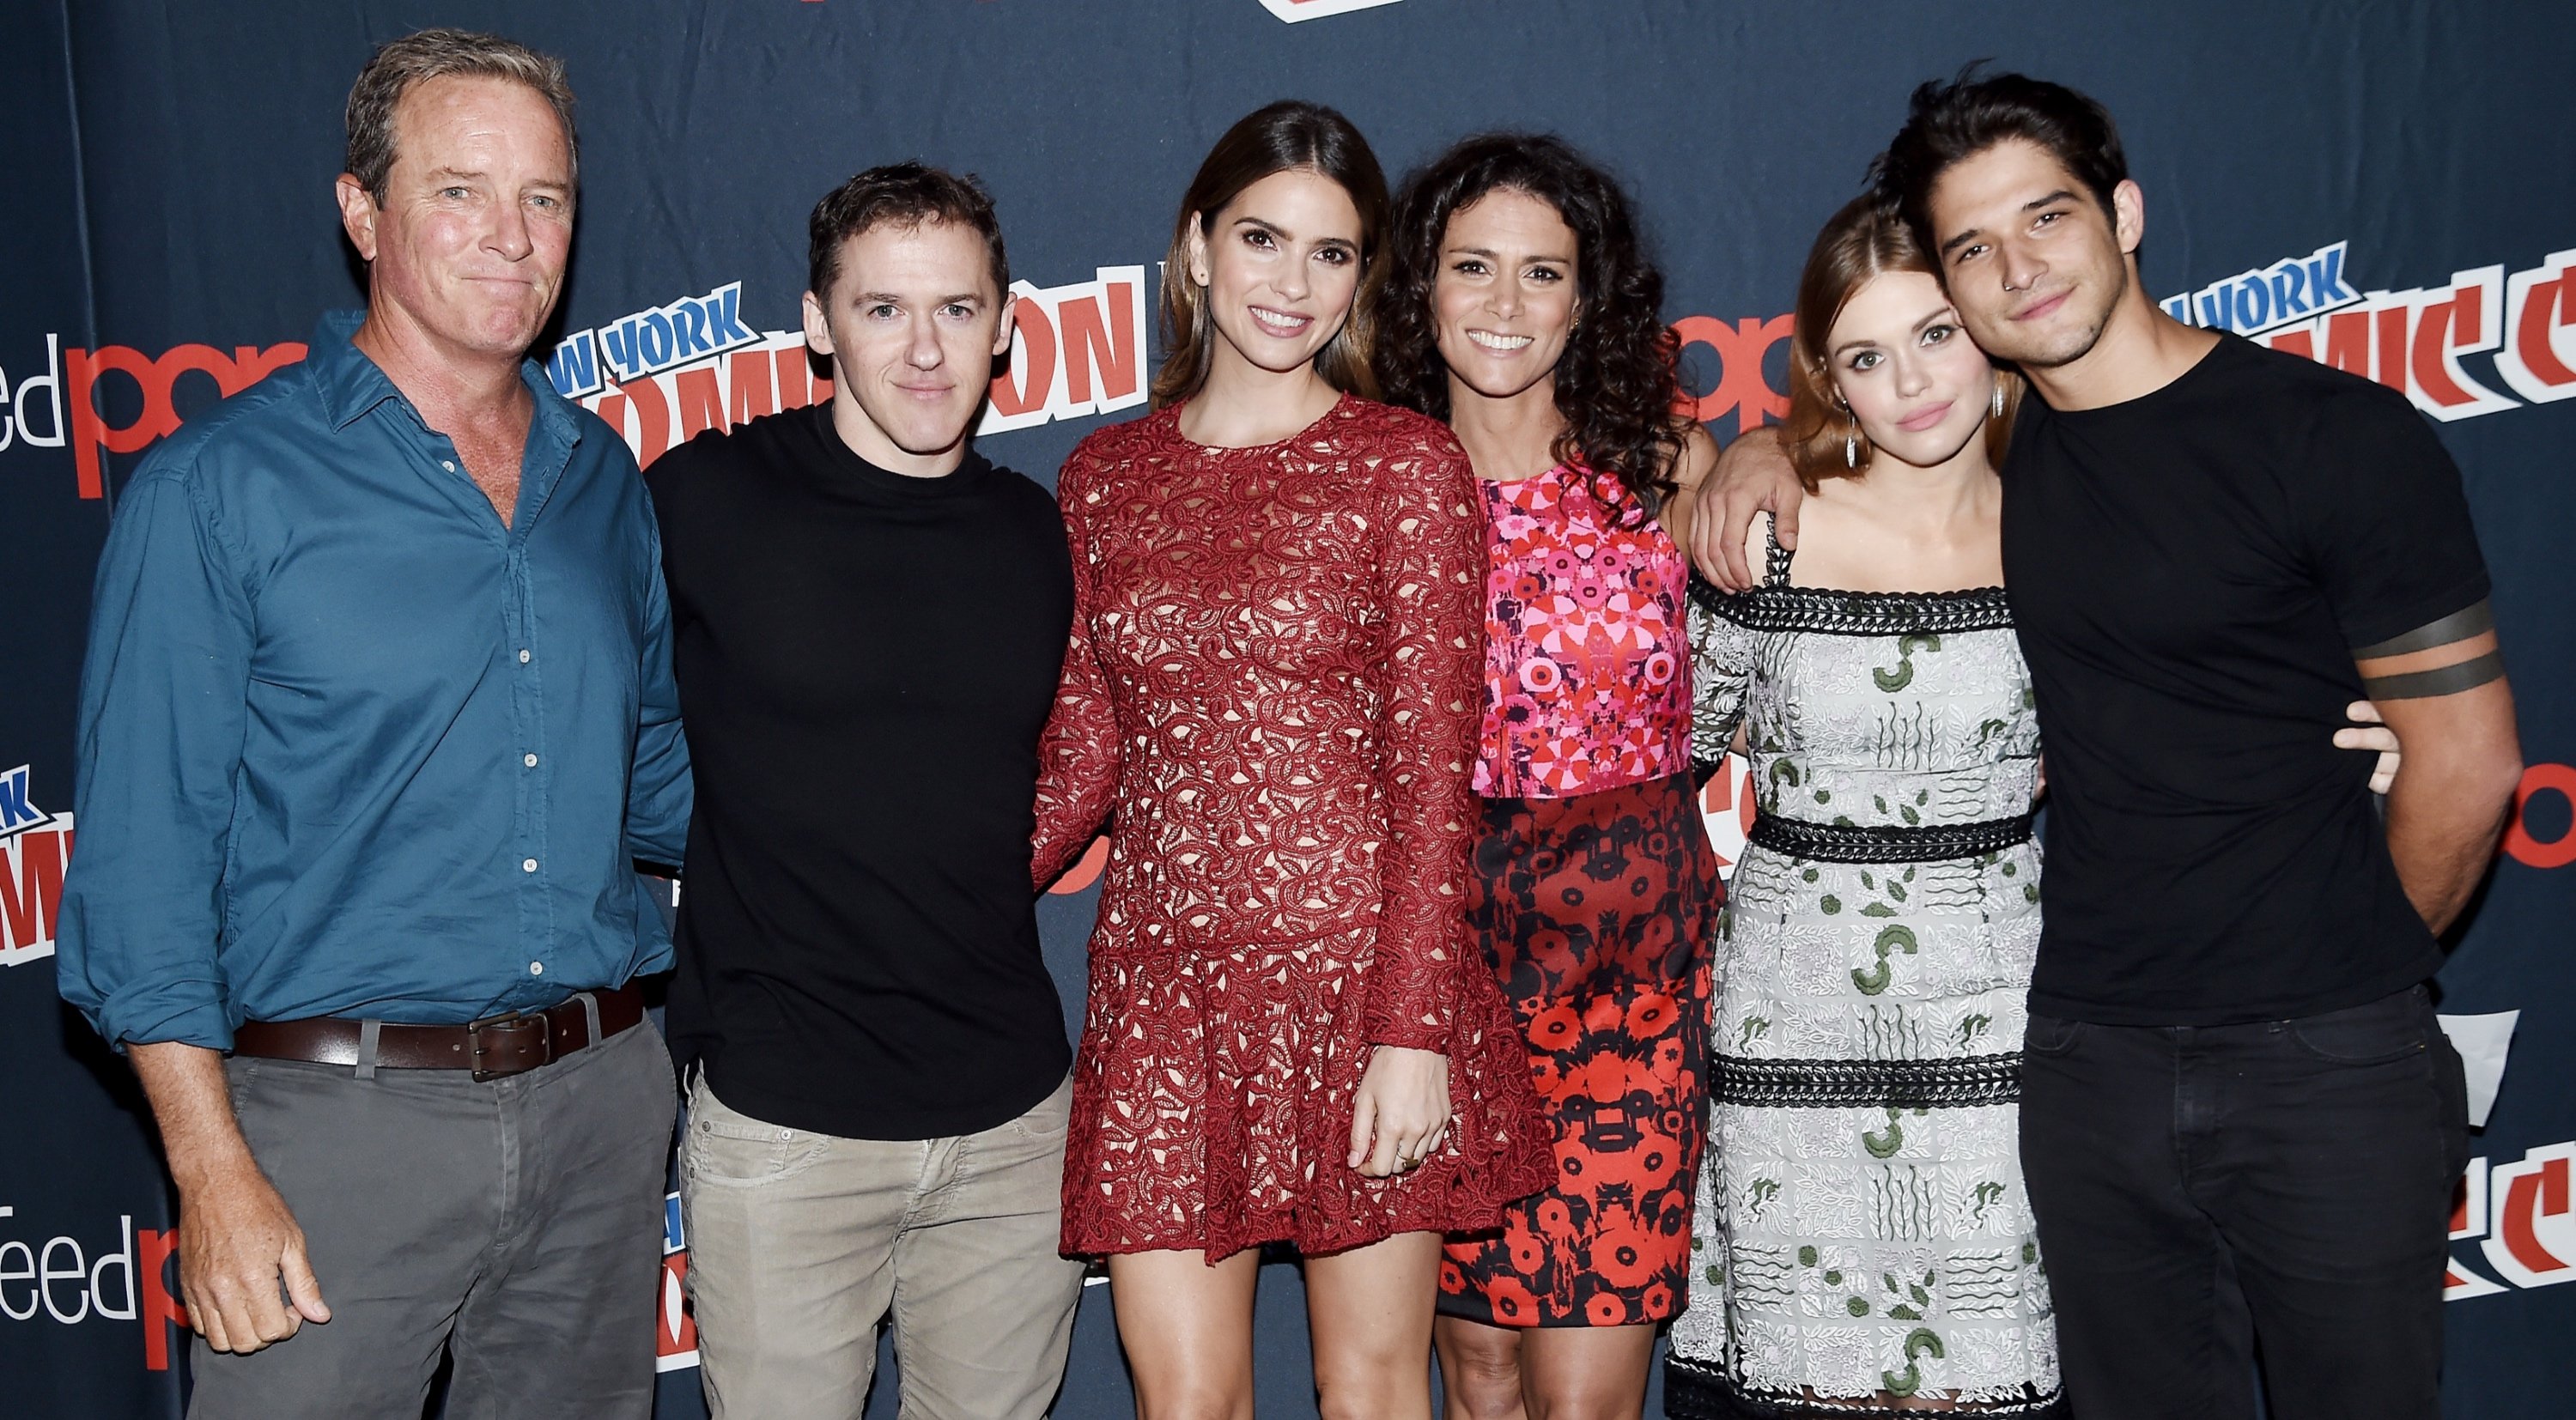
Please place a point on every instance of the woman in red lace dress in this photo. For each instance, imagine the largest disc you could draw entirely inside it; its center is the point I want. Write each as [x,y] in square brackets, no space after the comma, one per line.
[1520,307]
[1272,693]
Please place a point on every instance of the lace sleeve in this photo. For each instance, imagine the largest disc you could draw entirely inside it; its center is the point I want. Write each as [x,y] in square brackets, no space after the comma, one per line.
[1721,674]
[1429,678]
[1078,755]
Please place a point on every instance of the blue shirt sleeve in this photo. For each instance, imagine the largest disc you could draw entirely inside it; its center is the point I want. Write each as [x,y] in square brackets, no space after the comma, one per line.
[658,786]
[162,714]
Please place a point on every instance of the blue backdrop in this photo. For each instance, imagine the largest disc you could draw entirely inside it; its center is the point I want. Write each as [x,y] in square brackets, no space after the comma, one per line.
[2380,185]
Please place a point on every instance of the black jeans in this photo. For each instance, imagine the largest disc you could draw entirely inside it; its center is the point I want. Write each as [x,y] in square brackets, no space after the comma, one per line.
[2316,1155]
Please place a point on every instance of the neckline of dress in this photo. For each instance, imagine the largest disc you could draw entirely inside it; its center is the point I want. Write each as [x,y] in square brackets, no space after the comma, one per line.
[1553,472]
[1341,398]
[1776,579]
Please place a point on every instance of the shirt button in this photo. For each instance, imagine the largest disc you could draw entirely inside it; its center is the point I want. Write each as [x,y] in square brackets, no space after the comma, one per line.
[448,464]
[529,760]
[528,865]
[536,968]
[523,658]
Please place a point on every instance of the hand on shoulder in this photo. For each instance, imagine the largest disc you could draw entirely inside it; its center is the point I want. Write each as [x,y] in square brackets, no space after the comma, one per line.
[1751,475]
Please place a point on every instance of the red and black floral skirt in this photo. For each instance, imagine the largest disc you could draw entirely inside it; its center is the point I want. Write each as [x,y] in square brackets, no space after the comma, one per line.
[1597,914]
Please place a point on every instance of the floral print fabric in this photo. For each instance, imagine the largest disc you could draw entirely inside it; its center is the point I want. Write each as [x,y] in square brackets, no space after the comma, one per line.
[1585,687]
[1595,912]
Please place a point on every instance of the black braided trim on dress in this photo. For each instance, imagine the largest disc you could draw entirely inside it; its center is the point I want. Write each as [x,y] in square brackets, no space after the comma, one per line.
[1831,612]
[1701,1390]
[1868,1084]
[1888,842]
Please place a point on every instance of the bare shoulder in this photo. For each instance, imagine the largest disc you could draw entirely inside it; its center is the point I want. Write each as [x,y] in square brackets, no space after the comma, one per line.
[1698,457]
[1690,473]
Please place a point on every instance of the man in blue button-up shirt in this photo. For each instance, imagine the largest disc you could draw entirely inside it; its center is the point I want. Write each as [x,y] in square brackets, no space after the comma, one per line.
[377,713]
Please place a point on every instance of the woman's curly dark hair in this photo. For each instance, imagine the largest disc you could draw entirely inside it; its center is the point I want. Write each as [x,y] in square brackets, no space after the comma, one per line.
[1618,382]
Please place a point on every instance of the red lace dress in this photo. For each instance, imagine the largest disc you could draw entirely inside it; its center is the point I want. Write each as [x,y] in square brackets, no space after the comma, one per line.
[1272,692]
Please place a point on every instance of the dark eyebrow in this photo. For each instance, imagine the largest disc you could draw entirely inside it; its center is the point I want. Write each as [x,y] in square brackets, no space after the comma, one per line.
[889,298]
[1289,238]
[2061,195]
[1936,315]
[1490,254]
[1852,345]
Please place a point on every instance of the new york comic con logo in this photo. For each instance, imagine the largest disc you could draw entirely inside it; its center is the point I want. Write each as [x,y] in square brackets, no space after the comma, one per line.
[663,375]
[34,846]
[2522,1219]
[2484,341]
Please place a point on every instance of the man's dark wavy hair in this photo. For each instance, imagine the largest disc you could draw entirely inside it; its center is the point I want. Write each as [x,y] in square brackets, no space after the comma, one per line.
[1947,123]
[1618,382]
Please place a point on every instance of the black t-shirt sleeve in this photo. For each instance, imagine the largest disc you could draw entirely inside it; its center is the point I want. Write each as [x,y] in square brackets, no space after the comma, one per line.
[2386,523]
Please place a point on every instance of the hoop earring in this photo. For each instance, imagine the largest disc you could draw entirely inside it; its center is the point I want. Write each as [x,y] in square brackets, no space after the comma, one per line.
[1999,399]
[1851,452]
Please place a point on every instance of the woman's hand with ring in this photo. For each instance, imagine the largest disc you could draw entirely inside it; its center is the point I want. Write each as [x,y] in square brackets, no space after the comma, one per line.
[1400,1115]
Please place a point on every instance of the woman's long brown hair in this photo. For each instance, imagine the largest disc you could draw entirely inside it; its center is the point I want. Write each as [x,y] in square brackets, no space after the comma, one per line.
[1287,135]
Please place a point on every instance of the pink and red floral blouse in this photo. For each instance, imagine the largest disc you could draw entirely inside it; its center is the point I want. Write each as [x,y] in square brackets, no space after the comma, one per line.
[1587,679]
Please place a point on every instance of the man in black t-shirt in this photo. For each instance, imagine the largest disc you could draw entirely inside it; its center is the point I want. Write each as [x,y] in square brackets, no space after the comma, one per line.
[868,620]
[2236,1100]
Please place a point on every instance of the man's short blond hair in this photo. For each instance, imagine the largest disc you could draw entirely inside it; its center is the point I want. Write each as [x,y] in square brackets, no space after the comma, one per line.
[435,54]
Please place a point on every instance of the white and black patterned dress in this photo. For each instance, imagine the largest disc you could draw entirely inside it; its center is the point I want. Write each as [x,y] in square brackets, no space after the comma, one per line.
[1863,1240]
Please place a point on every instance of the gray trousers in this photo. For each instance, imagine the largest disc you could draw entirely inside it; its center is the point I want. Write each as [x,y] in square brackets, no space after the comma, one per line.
[515,1225]
[799,1244]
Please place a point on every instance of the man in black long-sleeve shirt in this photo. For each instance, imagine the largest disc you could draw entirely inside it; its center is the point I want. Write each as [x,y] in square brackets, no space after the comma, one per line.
[868,620]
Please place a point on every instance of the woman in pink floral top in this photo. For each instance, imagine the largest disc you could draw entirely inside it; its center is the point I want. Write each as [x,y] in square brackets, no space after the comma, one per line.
[1520,309]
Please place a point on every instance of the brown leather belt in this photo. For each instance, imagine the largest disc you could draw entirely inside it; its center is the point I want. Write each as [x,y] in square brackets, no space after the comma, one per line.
[491,1048]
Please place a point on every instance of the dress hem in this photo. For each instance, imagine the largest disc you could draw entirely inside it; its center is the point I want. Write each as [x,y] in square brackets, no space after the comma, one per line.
[1698,1390]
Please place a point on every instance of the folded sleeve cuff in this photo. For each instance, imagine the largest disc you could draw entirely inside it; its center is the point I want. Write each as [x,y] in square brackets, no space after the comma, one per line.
[165,1014]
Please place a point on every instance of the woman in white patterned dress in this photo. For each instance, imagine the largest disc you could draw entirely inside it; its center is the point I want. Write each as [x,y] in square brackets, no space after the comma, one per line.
[1863,1237]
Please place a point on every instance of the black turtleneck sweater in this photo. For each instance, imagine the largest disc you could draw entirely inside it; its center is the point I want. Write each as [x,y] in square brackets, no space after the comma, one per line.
[865,662]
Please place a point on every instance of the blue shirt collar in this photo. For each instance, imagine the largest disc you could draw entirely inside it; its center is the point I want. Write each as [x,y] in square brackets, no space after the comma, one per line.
[351,384]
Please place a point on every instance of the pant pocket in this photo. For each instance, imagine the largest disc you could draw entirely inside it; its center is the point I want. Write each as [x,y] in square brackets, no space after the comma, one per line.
[726,1148]
[2390,1028]
[2049,1035]
[1049,1119]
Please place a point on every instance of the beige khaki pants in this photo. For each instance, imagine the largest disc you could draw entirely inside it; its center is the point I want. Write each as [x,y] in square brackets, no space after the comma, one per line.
[801,1244]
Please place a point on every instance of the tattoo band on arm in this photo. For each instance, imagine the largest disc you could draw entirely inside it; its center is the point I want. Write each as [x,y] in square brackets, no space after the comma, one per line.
[2458,626]
[2442,680]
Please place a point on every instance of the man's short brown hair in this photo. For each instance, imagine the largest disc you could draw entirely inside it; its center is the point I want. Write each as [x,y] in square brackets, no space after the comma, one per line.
[435,54]
[906,194]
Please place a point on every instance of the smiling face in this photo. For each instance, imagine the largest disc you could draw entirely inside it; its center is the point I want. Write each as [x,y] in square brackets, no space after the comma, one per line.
[1504,299]
[1901,361]
[470,244]
[1280,263]
[2037,267]
[912,326]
